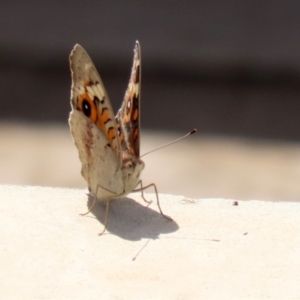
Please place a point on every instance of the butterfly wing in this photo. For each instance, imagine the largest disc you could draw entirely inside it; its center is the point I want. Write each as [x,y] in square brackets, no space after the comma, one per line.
[93,128]
[100,167]
[128,117]
[89,96]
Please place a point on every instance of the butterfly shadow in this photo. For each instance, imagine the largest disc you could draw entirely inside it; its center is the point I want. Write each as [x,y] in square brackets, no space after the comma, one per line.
[131,220]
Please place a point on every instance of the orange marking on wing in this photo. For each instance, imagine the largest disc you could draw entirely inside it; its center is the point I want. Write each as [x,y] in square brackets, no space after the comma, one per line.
[111,134]
[102,119]
[105,116]
[135,134]
[94,112]
[100,124]
[135,114]
[127,118]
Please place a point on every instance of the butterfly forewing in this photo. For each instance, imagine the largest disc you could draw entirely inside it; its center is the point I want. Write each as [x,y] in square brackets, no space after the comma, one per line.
[89,96]
[128,117]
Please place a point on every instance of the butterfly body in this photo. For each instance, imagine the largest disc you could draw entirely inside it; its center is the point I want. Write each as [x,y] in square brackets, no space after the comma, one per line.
[108,145]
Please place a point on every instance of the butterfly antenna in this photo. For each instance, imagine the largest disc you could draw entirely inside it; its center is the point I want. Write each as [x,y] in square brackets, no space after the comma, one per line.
[173,142]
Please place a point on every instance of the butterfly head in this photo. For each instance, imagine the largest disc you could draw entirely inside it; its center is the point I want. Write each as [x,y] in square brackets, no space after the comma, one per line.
[132,167]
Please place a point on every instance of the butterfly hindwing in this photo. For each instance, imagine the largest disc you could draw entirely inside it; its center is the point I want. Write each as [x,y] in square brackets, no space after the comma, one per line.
[128,117]
[99,161]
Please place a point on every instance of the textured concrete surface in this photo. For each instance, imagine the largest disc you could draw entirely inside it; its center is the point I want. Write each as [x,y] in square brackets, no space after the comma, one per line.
[212,250]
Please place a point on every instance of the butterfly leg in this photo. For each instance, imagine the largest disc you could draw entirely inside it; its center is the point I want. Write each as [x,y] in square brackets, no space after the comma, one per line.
[107,206]
[107,210]
[95,200]
[142,192]
[106,217]
[157,198]
[91,208]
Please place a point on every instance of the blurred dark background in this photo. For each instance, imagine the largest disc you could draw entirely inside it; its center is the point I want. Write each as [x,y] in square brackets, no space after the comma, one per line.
[224,67]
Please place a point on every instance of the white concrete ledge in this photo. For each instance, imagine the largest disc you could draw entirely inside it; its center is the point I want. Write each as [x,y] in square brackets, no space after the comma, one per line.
[213,249]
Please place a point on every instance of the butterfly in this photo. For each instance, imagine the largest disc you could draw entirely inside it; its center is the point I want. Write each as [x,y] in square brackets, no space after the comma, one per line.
[108,145]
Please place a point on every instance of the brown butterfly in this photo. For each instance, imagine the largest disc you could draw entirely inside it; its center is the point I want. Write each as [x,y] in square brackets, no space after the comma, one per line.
[108,145]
